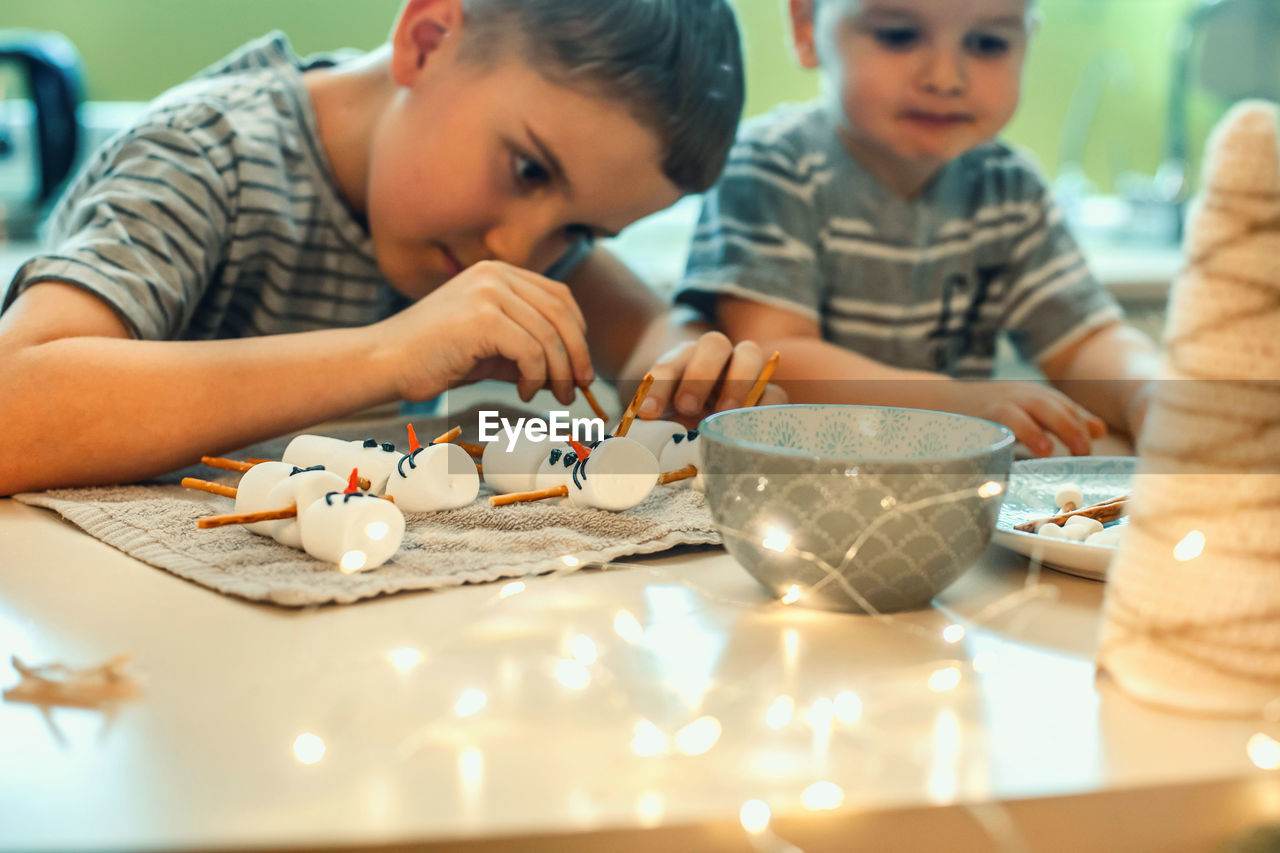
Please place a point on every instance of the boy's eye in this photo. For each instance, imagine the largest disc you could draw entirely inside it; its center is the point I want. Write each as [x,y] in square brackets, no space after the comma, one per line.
[528,173]
[981,44]
[897,38]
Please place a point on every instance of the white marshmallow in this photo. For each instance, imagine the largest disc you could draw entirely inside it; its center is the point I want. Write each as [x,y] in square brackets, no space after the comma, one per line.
[359,531]
[1075,532]
[684,448]
[1092,525]
[1051,531]
[1069,493]
[1105,538]
[301,490]
[434,478]
[308,451]
[556,468]
[617,475]
[654,435]
[512,471]
[255,485]
[374,461]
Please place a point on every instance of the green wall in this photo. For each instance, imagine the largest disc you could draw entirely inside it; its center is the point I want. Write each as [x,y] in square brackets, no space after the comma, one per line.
[135,48]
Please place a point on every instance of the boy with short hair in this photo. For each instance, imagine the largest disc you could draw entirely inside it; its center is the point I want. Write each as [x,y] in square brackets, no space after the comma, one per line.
[878,234]
[282,242]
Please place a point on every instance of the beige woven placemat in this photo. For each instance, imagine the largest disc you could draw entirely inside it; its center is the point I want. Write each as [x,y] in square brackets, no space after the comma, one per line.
[156,523]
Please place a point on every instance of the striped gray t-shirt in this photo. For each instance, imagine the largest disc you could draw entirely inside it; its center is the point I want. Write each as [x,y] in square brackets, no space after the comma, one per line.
[928,284]
[216,216]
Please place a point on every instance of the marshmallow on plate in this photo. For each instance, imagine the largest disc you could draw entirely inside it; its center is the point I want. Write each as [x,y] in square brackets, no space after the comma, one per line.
[433,478]
[301,489]
[356,530]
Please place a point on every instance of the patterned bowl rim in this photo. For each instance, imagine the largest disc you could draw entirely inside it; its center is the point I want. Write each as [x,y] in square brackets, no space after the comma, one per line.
[710,429]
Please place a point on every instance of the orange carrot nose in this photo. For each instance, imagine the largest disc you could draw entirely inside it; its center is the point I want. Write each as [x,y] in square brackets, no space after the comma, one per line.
[353,484]
[413,439]
[582,452]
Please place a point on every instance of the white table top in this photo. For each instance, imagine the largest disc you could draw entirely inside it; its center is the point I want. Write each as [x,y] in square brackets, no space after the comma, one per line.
[209,756]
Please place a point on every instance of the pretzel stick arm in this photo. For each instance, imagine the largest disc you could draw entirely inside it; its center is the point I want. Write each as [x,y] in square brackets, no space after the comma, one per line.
[528,497]
[633,407]
[206,486]
[679,474]
[212,521]
[225,464]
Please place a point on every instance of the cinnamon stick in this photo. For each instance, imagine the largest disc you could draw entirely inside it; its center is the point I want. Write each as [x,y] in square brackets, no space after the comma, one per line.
[1103,511]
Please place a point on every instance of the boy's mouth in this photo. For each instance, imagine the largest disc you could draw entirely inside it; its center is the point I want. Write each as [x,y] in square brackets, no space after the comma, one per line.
[937,120]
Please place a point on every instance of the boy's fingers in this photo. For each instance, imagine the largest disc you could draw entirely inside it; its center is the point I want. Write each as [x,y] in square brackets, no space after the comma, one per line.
[744,366]
[552,300]
[556,366]
[514,343]
[774,395]
[712,352]
[665,374]
[1064,422]
[556,290]
[1024,427]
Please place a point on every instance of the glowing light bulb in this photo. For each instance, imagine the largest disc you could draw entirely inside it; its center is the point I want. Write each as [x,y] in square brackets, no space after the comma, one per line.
[648,740]
[848,706]
[1191,546]
[353,561]
[406,658]
[572,674]
[513,588]
[953,633]
[699,736]
[571,561]
[584,650]
[627,627]
[649,809]
[777,540]
[470,702]
[821,796]
[1264,751]
[990,489]
[755,816]
[376,530]
[944,679]
[308,748]
[792,595]
[779,713]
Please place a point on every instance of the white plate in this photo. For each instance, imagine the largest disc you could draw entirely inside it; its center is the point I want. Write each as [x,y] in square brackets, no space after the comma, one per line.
[1033,483]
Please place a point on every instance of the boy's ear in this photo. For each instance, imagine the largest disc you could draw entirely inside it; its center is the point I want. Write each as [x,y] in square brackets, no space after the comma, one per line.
[420,30]
[802,32]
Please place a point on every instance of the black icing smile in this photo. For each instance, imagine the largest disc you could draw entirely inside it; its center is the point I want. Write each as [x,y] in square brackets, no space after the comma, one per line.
[297,470]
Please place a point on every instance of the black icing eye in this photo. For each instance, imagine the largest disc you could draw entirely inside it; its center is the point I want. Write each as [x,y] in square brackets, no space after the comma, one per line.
[693,433]
[389,447]
[555,455]
[677,438]
[570,458]
[369,442]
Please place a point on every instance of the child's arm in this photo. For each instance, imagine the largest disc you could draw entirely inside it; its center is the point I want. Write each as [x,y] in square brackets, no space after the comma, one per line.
[632,331]
[1109,372]
[815,371]
[85,404]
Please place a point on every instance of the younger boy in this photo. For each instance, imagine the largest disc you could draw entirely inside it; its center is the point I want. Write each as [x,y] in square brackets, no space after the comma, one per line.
[879,235]
[281,242]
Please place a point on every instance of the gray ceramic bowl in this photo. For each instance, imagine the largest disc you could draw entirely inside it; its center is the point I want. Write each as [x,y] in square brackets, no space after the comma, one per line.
[854,507]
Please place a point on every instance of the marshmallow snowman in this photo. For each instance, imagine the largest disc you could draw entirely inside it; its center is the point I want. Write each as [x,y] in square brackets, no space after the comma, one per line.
[556,468]
[308,451]
[252,491]
[301,488]
[434,478]
[615,475]
[375,461]
[683,449]
[514,470]
[356,530]
[654,435]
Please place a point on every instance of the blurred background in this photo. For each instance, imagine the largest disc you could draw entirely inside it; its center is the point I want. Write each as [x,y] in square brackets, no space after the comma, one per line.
[1120,95]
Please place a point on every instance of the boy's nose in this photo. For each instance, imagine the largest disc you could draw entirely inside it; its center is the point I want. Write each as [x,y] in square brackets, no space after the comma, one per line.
[522,244]
[944,72]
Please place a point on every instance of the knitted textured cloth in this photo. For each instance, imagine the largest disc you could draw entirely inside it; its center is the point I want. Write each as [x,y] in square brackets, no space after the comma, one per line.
[156,523]
[1192,617]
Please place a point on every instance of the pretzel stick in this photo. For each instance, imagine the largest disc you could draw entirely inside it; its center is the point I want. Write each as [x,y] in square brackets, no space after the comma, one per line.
[594,404]
[1103,511]
[527,497]
[473,449]
[59,684]
[225,464]
[212,521]
[206,486]
[679,474]
[252,461]
[633,407]
[757,390]
[448,436]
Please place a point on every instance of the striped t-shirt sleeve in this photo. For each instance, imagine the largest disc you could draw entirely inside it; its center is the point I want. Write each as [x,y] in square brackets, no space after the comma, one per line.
[756,236]
[144,233]
[1054,299]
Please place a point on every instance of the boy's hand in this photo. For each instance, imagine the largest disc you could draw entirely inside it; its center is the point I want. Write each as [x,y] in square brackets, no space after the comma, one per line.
[1034,412]
[491,321]
[707,375]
